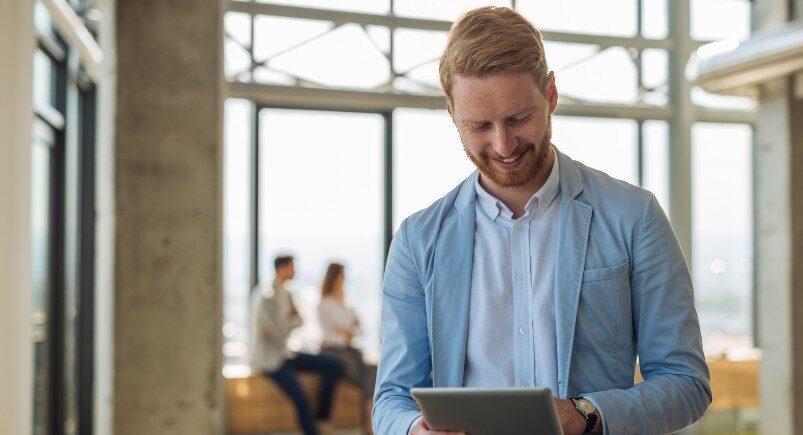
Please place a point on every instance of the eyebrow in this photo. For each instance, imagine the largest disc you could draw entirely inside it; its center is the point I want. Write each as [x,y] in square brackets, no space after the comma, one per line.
[528,109]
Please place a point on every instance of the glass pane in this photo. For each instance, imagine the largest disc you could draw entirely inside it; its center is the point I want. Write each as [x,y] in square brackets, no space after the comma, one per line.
[722,234]
[237,212]
[44,79]
[41,231]
[654,76]
[41,18]
[321,200]
[380,36]
[441,9]
[344,57]
[654,19]
[605,144]
[720,19]
[369,6]
[428,160]
[416,53]
[611,17]
[583,72]
[238,26]
[273,35]
[237,61]
[656,161]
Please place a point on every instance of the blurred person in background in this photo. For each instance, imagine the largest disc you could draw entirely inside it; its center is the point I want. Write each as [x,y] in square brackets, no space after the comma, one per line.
[273,317]
[340,325]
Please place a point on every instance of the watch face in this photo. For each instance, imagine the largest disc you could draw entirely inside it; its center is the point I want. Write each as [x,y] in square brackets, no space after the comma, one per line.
[586,407]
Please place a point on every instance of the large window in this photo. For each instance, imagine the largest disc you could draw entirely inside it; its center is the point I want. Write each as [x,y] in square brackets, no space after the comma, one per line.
[321,200]
[428,160]
[238,268]
[605,144]
[616,114]
[722,238]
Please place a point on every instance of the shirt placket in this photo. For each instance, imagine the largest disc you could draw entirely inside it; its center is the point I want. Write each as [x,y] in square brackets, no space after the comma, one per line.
[525,370]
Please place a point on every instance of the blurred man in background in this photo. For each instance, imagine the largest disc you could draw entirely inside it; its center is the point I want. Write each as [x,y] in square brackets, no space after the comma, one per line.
[274,316]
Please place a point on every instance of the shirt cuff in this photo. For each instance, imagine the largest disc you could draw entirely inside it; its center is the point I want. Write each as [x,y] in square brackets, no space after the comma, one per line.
[415,422]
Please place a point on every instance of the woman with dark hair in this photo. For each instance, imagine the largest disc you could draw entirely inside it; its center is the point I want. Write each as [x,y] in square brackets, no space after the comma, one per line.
[340,325]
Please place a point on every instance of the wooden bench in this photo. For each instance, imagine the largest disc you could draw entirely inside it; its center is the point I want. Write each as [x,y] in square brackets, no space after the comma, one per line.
[255,404]
[734,384]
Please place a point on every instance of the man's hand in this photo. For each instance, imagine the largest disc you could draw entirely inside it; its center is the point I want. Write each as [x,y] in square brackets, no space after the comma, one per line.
[422,428]
[571,421]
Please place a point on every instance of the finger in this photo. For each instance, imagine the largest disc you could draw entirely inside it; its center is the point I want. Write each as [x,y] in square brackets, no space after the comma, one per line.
[429,430]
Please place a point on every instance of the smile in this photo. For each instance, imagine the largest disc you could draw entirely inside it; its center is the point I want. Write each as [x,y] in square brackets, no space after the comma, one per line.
[513,159]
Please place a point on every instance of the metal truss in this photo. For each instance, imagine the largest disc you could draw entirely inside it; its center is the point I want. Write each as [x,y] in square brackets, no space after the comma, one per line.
[307,93]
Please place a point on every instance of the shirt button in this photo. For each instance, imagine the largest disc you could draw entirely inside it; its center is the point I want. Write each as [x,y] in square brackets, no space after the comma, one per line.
[523,384]
[522,330]
[520,277]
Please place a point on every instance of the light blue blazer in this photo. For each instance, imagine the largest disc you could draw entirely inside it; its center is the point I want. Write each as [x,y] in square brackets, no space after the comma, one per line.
[622,290]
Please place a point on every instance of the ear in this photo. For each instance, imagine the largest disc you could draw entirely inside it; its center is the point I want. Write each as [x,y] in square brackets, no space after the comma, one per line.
[551,92]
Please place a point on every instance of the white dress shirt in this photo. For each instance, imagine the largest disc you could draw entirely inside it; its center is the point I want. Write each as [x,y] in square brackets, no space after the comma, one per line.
[511,326]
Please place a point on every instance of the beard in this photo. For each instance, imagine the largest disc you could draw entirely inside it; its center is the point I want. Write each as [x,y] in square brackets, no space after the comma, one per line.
[534,159]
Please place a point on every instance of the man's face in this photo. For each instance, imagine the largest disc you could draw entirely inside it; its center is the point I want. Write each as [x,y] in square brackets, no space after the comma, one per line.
[505,124]
[287,271]
[291,270]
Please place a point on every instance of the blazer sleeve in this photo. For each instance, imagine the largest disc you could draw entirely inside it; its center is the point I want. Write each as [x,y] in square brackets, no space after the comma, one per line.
[676,388]
[404,360]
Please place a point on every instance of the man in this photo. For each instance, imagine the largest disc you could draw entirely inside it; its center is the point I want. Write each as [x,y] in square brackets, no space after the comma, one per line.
[274,316]
[536,270]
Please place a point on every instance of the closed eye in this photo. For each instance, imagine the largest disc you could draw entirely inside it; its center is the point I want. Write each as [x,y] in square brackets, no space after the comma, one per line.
[481,127]
[521,119]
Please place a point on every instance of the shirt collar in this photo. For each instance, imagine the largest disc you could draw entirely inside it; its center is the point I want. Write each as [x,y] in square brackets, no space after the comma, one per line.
[543,197]
[547,193]
[488,202]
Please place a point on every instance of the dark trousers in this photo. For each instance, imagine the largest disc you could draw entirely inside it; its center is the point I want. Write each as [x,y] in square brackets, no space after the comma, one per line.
[356,371]
[330,369]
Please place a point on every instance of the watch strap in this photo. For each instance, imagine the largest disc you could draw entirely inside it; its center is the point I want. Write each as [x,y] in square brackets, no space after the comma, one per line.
[591,419]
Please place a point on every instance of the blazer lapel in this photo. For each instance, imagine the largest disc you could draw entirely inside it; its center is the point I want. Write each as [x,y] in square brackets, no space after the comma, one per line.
[454,254]
[575,222]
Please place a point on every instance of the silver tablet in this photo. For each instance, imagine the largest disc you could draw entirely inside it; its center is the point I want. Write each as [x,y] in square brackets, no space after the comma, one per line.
[482,411]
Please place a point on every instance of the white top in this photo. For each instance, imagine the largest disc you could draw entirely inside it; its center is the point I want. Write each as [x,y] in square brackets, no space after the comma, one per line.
[334,317]
[511,327]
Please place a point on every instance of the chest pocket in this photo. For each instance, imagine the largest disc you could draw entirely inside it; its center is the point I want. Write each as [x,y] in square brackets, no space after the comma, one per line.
[612,273]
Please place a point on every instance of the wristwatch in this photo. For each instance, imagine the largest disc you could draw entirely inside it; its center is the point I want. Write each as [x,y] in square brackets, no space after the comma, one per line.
[588,411]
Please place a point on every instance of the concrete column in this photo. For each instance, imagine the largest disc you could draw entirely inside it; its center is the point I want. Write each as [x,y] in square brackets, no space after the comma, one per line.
[779,241]
[16,121]
[774,260]
[680,195]
[167,302]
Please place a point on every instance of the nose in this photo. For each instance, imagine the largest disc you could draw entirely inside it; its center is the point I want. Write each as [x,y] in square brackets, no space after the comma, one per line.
[503,142]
